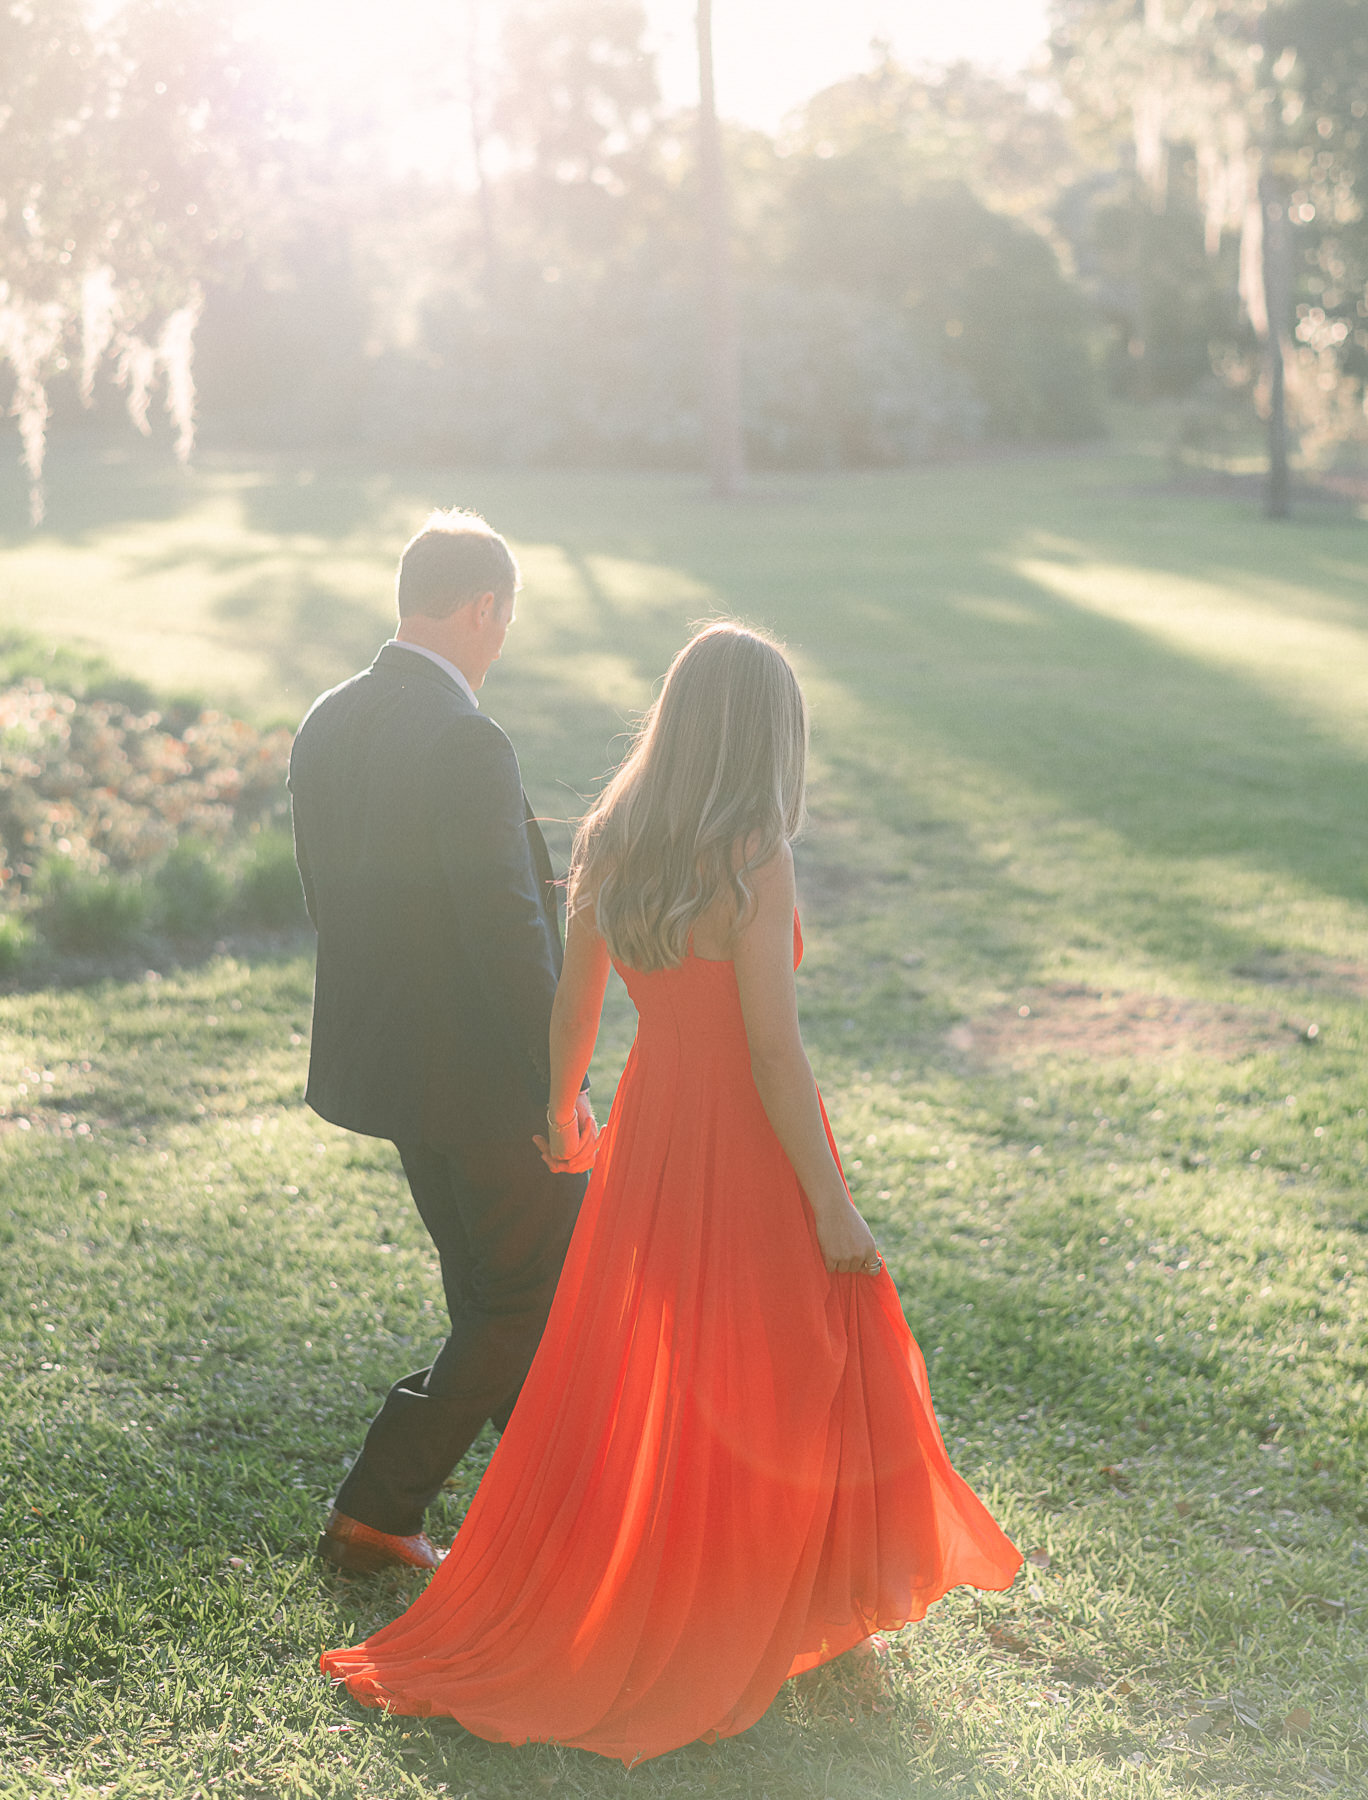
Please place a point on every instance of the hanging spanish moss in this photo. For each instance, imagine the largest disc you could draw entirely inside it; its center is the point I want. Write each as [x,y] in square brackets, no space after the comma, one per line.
[29,338]
[1207,77]
[35,340]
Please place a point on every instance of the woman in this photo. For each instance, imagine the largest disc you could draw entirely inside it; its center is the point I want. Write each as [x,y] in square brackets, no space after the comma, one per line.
[723,1468]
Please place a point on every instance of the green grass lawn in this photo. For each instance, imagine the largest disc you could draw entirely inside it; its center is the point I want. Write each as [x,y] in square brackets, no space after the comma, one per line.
[1087,919]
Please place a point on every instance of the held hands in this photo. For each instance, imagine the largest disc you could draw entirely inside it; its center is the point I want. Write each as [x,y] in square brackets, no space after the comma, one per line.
[846,1241]
[568,1149]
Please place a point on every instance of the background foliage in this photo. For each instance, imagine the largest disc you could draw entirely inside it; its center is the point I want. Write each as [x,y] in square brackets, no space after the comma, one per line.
[928,258]
[122,824]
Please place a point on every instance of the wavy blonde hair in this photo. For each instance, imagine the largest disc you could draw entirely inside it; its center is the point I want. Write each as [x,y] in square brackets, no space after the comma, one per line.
[712,787]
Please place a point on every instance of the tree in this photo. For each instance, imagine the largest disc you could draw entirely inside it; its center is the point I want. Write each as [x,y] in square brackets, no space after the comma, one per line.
[877,201]
[1327,203]
[1166,306]
[955,124]
[726,449]
[120,151]
[1229,81]
[577,107]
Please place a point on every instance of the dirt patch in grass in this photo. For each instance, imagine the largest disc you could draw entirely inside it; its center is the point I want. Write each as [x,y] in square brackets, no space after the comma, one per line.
[1287,969]
[1086,1022]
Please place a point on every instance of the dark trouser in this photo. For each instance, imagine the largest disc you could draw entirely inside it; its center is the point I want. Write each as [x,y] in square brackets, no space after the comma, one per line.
[501,1222]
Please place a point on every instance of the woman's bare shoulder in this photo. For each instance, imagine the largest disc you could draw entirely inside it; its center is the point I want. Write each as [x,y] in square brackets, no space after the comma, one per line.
[775,872]
[771,885]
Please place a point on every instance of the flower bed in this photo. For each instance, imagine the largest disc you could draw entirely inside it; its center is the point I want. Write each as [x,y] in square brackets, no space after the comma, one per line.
[115,822]
[108,788]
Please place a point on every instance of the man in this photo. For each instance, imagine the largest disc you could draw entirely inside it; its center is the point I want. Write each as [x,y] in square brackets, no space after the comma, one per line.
[430,888]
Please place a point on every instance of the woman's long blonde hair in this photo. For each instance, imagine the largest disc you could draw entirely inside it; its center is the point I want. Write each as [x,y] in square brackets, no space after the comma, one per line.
[711,788]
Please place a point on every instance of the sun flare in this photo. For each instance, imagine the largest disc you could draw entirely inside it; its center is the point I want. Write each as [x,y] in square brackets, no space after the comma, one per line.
[406,60]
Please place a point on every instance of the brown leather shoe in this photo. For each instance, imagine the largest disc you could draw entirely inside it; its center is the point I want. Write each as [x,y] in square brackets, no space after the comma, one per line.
[359,1549]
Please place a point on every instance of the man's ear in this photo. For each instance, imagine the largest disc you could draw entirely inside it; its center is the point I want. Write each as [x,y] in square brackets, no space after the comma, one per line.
[485,607]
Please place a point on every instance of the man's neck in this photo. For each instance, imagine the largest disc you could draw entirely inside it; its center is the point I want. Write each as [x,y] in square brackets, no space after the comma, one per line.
[436,637]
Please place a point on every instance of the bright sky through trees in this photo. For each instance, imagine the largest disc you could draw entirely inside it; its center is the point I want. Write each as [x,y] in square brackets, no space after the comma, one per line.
[771,54]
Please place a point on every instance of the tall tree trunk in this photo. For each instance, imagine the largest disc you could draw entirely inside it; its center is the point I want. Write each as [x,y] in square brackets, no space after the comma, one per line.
[726,451]
[476,107]
[1277,274]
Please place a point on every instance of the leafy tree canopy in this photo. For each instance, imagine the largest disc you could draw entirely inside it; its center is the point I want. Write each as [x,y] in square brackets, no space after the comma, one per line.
[122,169]
[1266,101]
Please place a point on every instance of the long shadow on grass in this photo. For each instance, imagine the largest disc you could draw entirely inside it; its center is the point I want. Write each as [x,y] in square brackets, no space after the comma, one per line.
[306,629]
[91,486]
[96,481]
[1091,718]
[1180,760]
[1179,757]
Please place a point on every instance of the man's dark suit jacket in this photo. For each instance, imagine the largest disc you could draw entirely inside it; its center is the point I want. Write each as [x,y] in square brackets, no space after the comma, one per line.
[430,887]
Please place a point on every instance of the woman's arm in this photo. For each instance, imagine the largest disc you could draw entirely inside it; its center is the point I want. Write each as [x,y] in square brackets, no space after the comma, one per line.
[575,1014]
[763,956]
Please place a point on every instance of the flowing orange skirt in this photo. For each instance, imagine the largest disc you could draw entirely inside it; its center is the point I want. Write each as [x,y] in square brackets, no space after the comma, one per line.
[724,1467]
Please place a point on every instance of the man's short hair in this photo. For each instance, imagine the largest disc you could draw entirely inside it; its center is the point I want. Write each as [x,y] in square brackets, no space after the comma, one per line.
[454,559]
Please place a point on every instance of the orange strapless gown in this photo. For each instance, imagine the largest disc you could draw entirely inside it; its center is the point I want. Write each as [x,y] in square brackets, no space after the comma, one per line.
[723,1468]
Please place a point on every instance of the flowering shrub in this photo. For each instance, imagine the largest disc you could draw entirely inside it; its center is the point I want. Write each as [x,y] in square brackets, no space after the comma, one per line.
[97,786]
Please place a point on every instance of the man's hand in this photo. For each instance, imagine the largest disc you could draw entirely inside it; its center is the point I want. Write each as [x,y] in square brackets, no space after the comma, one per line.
[569,1149]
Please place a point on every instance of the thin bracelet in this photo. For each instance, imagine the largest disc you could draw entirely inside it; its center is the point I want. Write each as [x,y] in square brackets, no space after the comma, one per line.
[560,1124]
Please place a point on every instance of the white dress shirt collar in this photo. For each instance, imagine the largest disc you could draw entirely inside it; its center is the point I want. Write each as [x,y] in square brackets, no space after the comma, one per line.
[441,662]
